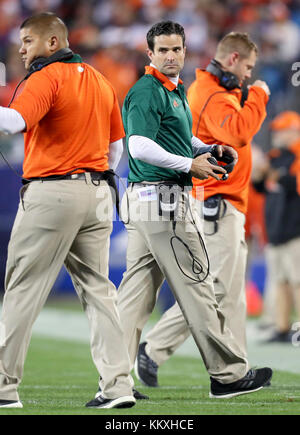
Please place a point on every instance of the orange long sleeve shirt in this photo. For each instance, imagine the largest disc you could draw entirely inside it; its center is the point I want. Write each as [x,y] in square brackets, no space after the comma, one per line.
[219,118]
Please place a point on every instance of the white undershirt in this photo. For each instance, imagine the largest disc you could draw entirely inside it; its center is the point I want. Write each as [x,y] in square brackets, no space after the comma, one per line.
[115,154]
[149,151]
[11,122]
[145,149]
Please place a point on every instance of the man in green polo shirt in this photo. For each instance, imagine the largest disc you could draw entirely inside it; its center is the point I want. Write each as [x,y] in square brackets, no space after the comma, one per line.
[171,246]
[156,96]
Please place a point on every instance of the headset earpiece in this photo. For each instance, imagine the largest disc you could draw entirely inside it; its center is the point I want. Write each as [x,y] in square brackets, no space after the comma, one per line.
[41,62]
[37,64]
[227,79]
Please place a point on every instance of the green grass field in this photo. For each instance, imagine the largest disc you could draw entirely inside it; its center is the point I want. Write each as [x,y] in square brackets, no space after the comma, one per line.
[60,378]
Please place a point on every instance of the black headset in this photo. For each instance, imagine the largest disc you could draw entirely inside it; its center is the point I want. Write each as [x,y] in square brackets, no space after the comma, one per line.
[227,79]
[215,158]
[41,62]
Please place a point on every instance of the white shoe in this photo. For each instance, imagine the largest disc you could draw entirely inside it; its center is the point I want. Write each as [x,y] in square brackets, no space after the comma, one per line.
[10,404]
[120,402]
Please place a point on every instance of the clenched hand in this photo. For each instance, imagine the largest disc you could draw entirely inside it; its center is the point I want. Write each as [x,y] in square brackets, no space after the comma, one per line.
[201,168]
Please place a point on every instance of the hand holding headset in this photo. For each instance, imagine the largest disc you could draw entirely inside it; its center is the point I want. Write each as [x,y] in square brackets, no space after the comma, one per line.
[215,158]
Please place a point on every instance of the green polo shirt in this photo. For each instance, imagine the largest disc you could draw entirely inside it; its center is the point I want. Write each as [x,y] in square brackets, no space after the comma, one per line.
[156,109]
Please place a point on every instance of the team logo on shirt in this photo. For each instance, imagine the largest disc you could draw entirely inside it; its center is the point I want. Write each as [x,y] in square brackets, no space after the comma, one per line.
[175,103]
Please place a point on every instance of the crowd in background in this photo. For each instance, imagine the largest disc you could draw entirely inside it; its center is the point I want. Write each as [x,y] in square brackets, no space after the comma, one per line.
[110,34]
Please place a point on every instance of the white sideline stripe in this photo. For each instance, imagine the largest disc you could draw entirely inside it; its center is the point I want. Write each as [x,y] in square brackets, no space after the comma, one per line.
[73,326]
[63,324]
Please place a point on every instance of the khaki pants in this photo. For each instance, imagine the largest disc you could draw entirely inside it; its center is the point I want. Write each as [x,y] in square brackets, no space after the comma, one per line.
[284,275]
[150,259]
[284,262]
[227,251]
[56,224]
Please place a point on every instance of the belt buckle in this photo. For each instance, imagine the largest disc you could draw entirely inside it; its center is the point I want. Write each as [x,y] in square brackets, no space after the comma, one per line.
[74,176]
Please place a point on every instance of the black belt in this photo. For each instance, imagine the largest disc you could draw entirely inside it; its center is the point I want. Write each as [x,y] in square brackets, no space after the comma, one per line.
[95,176]
[108,176]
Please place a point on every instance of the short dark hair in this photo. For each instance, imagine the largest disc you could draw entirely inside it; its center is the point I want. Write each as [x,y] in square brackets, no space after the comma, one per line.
[46,22]
[164,28]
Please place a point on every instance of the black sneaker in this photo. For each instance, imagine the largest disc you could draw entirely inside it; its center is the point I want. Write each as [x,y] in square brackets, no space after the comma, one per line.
[253,381]
[280,337]
[120,402]
[145,368]
[136,394]
[10,404]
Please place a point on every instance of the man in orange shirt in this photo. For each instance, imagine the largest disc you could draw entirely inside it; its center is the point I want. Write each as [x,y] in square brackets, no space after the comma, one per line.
[220,116]
[73,135]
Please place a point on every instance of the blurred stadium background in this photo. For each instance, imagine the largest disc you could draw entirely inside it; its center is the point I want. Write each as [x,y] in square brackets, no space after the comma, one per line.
[110,34]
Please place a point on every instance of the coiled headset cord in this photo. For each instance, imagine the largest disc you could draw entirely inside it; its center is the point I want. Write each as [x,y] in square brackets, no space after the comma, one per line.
[197,267]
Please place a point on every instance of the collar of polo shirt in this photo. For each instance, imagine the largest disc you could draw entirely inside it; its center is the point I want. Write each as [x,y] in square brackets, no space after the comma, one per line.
[166,82]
